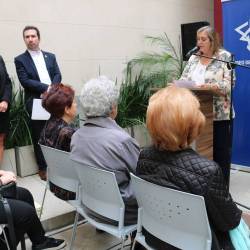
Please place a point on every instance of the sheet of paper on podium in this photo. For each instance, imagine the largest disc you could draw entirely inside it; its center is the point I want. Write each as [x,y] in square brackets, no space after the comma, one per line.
[185,84]
[38,112]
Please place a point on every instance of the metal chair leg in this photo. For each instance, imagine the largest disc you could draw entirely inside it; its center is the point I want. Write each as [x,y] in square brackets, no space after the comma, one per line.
[23,246]
[122,245]
[134,242]
[44,194]
[5,238]
[74,230]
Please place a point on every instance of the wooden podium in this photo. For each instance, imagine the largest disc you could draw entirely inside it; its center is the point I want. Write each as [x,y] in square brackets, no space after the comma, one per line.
[204,143]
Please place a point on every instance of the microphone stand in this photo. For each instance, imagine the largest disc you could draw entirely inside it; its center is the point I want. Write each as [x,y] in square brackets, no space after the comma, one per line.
[231,66]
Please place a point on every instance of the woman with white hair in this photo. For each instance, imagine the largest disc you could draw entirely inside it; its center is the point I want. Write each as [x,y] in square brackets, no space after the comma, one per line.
[101,143]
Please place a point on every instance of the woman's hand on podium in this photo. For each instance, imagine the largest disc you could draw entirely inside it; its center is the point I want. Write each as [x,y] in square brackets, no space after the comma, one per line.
[212,87]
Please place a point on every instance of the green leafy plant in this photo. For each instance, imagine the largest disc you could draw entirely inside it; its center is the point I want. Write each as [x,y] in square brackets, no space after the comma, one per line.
[143,73]
[160,67]
[19,132]
[133,101]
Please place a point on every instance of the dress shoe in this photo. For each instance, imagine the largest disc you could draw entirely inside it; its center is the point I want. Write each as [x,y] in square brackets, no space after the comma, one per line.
[43,174]
[50,244]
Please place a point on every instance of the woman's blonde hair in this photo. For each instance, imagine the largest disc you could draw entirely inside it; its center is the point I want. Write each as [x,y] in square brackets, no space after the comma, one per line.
[174,118]
[213,37]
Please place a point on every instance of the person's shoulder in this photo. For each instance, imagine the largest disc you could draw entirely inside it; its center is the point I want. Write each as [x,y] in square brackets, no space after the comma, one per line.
[1,60]
[222,53]
[67,131]
[77,134]
[46,53]
[21,56]
[204,164]
[148,152]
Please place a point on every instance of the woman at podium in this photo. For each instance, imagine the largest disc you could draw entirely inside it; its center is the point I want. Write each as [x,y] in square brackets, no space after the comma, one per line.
[207,72]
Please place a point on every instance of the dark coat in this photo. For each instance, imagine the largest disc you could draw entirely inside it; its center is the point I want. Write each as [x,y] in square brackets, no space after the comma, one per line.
[189,172]
[29,78]
[57,134]
[5,83]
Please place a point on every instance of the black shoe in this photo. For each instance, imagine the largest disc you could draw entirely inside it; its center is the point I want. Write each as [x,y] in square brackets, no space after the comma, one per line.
[99,231]
[50,244]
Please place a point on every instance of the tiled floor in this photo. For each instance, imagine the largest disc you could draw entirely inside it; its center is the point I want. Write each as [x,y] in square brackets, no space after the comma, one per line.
[87,238]
[240,187]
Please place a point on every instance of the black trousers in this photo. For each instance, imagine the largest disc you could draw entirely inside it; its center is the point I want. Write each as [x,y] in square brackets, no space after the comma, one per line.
[24,217]
[222,149]
[36,129]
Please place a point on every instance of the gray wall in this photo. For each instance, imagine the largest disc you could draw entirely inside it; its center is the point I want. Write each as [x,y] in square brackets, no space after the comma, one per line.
[88,35]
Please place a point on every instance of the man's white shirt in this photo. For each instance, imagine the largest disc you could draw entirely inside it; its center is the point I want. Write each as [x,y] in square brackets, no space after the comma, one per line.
[38,59]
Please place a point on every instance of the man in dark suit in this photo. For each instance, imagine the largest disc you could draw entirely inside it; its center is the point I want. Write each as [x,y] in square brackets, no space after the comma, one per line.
[36,70]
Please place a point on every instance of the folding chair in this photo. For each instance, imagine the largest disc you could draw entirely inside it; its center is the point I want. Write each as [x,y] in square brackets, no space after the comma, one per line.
[100,193]
[175,217]
[60,171]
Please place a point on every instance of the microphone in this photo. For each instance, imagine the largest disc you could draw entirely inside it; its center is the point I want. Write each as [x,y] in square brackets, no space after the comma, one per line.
[192,51]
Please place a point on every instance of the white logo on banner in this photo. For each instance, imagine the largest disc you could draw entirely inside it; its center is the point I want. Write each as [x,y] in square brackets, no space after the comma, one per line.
[244,31]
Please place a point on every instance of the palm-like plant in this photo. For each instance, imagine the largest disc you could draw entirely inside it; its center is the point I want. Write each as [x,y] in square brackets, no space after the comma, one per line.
[155,70]
[133,101]
[19,132]
[161,67]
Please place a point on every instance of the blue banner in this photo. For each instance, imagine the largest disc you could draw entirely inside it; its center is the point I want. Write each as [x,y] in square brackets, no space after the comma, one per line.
[236,30]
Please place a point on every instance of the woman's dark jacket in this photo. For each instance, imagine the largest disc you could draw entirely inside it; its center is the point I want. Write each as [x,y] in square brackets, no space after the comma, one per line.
[57,134]
[5,83]
[189,172]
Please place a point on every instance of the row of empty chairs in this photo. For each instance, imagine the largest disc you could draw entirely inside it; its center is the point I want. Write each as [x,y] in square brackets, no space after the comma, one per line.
[175,217]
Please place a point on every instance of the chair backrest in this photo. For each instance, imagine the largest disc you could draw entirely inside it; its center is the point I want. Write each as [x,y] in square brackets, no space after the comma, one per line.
[100,192]
[175,217]
[60,169]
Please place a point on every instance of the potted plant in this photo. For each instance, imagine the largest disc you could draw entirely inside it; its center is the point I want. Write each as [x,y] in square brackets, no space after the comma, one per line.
[19,136]
[132,105]
[9,159]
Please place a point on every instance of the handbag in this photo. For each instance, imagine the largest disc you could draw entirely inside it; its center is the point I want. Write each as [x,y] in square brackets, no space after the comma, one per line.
[8,190]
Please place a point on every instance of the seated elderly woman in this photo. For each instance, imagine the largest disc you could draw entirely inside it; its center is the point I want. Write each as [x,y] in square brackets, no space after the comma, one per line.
[59,102]
[174,121]
[101,143]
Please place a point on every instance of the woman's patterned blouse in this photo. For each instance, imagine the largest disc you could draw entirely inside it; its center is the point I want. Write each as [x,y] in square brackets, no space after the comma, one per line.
[216,73]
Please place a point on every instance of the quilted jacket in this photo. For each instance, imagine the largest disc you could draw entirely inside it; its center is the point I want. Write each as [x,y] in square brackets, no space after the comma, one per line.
[189,172]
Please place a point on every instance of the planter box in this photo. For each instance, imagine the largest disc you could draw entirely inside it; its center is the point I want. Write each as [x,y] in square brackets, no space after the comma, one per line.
[25,161]
[9,160]
[140,133]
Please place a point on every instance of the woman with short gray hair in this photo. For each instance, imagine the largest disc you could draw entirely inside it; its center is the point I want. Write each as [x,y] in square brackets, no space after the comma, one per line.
[101,143]
[98,96]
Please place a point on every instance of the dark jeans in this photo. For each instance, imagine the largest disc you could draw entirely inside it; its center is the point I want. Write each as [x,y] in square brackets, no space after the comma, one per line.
[36,129]
[222,149]
[24,218]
